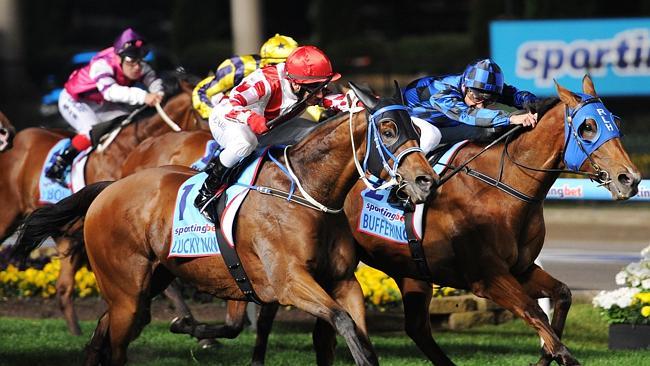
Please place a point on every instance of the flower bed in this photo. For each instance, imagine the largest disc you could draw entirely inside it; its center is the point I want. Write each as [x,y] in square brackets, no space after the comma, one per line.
[627,309]
[37,277]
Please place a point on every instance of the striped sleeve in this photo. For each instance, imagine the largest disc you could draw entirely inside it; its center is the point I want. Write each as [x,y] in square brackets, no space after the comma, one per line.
[102,73]
[151,80]
[450,102]
[246,100]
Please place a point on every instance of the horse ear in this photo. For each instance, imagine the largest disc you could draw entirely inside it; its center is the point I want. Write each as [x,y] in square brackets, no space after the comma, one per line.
[566,96]
[588,86]
[368,100]
[398,93]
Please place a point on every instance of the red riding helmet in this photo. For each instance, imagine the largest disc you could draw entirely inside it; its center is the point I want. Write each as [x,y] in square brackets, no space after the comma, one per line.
[308,64]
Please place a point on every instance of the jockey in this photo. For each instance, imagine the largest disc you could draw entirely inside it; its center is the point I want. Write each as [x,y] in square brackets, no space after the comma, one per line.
[262,96]
[457,104]
[230,72]
[103,90]
[266,94]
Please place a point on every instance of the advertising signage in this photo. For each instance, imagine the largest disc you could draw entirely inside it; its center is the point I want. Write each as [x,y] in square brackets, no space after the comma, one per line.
[615,52]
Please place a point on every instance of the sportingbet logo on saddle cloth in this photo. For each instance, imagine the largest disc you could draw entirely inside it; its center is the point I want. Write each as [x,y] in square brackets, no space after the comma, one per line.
[192,234]
[53,192]
[381,219]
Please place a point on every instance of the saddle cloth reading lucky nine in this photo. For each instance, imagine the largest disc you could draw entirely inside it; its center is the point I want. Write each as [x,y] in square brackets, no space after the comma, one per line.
[192,234]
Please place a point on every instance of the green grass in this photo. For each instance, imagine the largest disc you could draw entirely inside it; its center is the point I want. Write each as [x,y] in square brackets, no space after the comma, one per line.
[46,342]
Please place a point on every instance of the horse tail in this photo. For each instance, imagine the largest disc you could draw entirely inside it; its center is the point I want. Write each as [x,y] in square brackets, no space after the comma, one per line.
[50,221]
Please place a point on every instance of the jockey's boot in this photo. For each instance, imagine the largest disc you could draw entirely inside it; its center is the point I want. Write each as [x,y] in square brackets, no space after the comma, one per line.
[56,172]
[212,187]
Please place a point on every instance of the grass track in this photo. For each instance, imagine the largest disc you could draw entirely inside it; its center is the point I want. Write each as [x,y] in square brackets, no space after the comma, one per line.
[32,342]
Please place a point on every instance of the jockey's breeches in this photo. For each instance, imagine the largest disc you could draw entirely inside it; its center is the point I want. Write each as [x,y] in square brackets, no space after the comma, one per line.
[237,140]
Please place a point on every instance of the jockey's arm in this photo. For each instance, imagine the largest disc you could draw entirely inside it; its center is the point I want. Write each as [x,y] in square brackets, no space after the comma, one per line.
[451,103]
[238,107]
[102,73]
[151,80]
[517,98]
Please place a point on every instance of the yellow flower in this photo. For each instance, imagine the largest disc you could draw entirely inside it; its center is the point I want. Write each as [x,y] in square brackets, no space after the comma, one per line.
[644,297]
[645,311]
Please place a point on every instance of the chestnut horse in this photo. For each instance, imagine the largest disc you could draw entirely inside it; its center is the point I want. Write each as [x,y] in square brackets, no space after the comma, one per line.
[7,133]
[488,248]
[21,166]
[293,254]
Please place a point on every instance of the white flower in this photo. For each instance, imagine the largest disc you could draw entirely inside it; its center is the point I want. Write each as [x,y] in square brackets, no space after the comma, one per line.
[645,253]
[621,278]
[621,297]
[645,284]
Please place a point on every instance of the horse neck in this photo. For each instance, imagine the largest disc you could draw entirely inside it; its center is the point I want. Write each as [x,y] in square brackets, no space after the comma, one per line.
[324,163]
[540,148]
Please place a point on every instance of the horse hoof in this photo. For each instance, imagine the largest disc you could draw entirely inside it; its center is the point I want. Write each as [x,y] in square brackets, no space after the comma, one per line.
[209,343]
[182,325]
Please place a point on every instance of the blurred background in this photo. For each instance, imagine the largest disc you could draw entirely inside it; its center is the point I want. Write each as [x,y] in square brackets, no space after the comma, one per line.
[373,42]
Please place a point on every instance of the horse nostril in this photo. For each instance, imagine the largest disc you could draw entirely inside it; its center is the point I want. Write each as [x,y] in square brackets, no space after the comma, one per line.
[424,182]
[3,131]
[628,179]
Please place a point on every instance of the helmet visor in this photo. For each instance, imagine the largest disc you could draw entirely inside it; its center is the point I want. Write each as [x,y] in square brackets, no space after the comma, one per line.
[482,96]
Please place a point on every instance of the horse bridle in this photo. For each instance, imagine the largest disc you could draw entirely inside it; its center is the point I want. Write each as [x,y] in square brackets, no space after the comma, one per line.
[599,175]
[381,148]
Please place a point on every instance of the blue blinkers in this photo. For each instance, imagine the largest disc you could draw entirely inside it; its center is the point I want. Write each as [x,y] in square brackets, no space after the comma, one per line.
[577,149]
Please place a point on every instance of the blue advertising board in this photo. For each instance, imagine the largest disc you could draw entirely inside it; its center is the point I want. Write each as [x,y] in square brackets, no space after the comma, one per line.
[615,52]
[585,189]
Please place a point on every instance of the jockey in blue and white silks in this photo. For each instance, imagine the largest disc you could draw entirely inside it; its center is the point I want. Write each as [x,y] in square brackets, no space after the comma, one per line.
[456,104]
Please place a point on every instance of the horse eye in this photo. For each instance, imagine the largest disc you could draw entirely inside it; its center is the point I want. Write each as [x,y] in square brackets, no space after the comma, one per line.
[389,133]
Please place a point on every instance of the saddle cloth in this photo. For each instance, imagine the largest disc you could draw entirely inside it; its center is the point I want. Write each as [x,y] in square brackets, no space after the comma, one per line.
[382,219]
[441,156]
[192,234]
[53,192]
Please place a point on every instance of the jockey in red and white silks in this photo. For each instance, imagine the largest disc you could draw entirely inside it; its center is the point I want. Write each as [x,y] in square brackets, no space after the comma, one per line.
[265,94]
[103,90]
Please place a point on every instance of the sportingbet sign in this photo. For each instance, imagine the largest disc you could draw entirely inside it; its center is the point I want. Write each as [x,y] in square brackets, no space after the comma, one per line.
[615,52]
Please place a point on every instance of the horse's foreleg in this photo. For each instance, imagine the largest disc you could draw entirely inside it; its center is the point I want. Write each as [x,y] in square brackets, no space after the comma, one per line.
[235,318]
[70,264]
[98,349]
[264,324]
[416,296]
[296,286]
[538,284]
[173,294]
[349,295]
[506,291]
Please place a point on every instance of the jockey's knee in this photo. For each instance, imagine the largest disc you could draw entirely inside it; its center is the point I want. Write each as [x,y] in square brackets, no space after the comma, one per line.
[429,134]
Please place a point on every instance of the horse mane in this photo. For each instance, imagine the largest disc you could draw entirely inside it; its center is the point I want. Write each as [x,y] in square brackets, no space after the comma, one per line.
[542,106]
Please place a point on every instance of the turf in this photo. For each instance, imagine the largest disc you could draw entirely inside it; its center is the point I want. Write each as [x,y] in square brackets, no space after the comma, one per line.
[46,342]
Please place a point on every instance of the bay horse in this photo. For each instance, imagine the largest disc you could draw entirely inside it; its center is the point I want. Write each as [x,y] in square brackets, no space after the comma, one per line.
[293,254]
[21,166]
[7,133]
[487,247]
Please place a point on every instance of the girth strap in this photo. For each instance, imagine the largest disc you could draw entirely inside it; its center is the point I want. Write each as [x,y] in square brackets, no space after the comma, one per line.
[501,186]
[415,246]
[231,258]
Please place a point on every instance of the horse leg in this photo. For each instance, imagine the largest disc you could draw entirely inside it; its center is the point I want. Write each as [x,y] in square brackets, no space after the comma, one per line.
[9,219]
[173,294]
[506,291]
[97,351]
[65,283]
[416,296]
[264,324]
[349,295]
[296,286]
[235,318]
[538,284]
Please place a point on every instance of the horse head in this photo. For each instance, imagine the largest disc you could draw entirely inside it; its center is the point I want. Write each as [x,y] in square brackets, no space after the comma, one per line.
[593,142]
[7,133]
[392,136]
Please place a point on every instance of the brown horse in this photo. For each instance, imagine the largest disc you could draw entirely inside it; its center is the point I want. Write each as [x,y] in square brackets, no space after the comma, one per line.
[21,166]
[292,254]
[480,238]
[488,248]
[7,133]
